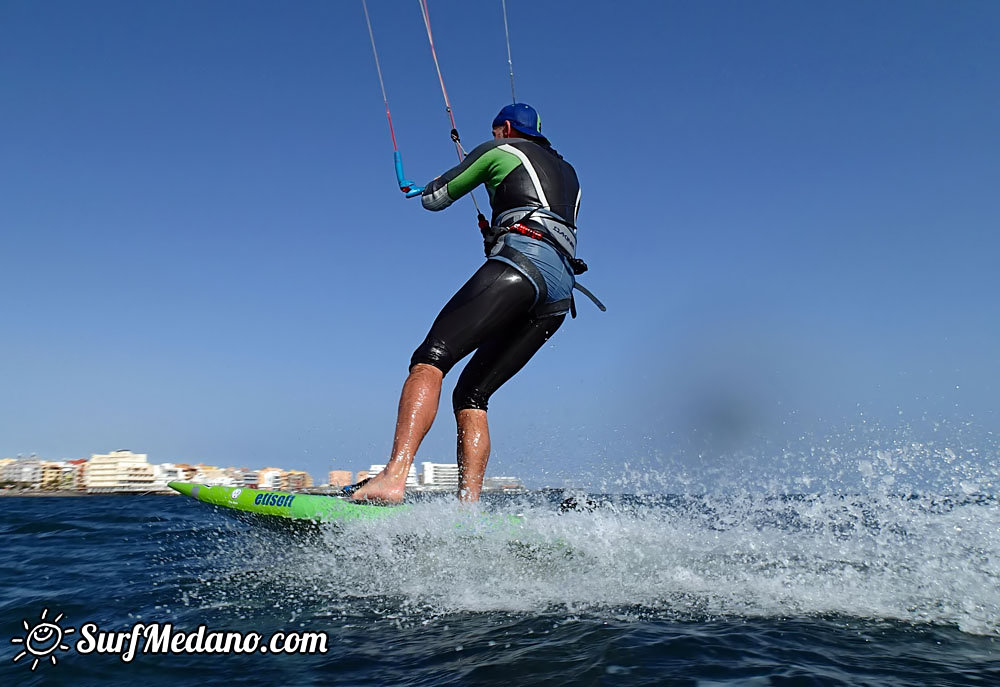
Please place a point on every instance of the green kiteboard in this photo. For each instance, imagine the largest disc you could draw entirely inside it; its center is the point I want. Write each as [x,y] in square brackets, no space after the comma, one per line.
[284,509]
[283,504]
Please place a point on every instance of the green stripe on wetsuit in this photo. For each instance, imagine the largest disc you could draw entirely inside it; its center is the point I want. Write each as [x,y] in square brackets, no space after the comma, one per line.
[490,168]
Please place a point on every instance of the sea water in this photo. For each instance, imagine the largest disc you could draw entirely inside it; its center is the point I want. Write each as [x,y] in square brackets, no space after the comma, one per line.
[865,587]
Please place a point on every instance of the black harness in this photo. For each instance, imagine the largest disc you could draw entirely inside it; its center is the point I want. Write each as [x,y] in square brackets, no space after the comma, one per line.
[491,235]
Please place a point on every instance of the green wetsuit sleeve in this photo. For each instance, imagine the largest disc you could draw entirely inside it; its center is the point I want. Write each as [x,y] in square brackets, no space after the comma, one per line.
[486,164]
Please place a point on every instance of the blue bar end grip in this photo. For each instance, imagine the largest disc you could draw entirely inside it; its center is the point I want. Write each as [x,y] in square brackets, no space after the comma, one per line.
[404,184]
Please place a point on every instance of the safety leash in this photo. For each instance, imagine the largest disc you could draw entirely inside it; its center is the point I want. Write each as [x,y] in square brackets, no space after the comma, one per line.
[480,217]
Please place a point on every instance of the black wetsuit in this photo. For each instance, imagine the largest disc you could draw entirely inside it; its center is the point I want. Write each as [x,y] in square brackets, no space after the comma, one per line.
[520,296]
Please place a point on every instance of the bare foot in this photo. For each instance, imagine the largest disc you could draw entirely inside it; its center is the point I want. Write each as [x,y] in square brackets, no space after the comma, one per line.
[382,488]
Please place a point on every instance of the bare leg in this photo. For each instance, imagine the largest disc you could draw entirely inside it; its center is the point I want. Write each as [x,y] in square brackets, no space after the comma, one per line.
[418,405]
[496,360]
[473,452]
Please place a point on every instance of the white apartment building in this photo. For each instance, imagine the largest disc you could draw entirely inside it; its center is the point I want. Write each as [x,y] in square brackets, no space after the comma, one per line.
[269,478]
[167,472]
[213,476]
[119,471]
[411,477]
[439,474]
[24,472]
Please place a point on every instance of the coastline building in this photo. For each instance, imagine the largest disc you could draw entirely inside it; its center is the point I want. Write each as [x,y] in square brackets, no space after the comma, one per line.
[187,472]
[269,478]
[213,476]
[4,462]
[51,474]
[3,468]
[80,474]
[58,474]
[26,472]
[70,475]
[34,473]
[362,474]
[439,475]
[120,471]
[340,478]
[411,477]
[235,476]
[167,472]
[295,479]
[247,478]
[508,485]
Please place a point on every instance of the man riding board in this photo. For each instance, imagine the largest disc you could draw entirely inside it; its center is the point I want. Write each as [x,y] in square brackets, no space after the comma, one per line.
[506,311]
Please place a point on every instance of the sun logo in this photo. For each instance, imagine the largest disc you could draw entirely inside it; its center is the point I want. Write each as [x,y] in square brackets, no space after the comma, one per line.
[42,640]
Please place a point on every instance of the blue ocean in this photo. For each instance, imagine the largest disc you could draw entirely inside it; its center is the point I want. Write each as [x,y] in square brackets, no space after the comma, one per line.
[752,589]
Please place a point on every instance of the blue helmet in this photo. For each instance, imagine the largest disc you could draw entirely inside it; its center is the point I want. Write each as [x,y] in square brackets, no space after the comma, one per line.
[521,117]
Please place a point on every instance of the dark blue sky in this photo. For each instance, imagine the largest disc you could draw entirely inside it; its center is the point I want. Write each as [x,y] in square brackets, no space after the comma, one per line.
[791,210]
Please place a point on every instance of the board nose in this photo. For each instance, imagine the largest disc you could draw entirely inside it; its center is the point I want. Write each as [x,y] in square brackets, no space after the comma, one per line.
[183,487]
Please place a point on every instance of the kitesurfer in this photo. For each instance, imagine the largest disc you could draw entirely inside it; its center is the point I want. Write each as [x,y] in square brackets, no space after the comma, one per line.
[511,306]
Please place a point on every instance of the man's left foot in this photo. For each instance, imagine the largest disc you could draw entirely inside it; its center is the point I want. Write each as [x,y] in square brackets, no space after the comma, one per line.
[380,489]
[349,490]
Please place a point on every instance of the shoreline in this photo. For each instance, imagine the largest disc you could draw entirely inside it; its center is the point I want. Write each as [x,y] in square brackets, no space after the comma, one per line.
[31,493]
[68,493]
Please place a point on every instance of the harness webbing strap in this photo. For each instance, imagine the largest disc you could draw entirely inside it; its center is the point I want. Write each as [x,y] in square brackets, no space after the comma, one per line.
[534,274]
[586,292]
[555,308]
